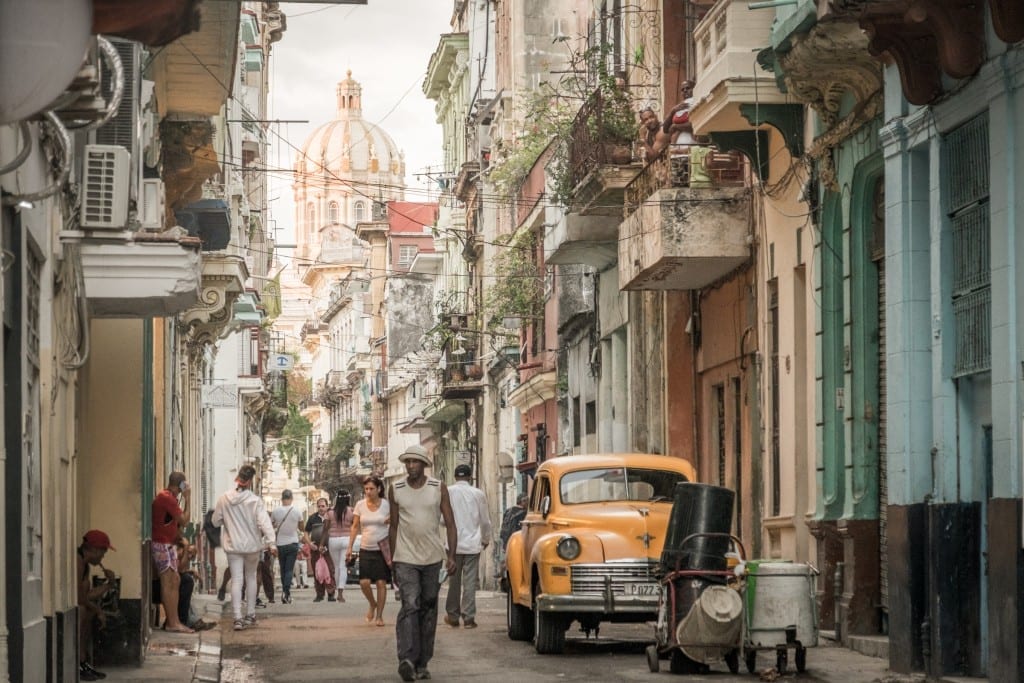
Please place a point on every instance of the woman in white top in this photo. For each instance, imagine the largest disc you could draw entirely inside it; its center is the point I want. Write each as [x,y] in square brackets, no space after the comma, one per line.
[370,522]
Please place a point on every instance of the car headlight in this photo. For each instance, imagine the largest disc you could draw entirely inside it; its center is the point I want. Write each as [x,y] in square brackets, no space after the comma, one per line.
[568,548]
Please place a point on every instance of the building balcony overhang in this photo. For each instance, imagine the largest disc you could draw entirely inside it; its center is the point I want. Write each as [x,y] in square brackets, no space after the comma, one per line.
[465,181]
[534,391]
[141,279]
[685,238]
[444,410]
[223,281]
[578,239]
[152,24]
[246,310]
[193,73]
[209,220]
[602,191]
[445,57]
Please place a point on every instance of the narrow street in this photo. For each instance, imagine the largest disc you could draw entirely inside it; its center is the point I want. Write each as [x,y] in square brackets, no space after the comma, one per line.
[331,642]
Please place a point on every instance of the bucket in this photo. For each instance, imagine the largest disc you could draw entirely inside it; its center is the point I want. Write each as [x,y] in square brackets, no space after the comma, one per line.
[698,508]
[780,596]
[713,626]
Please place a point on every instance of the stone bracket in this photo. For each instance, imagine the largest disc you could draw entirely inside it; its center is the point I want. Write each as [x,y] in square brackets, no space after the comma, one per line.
[753,144]
[788,119]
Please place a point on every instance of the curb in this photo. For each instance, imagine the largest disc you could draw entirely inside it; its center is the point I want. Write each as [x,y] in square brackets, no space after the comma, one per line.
[208,655]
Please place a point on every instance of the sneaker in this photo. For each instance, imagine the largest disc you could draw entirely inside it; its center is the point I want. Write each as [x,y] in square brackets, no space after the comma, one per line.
[422,674]
[331,598]
[87,667]
[286,599]
[451,621]
[260,603]
[239,624]
[406,670]
[469,623]
[318,598]
[249,621]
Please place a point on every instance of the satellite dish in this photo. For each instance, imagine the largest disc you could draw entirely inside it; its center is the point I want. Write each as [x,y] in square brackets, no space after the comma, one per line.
[42,46]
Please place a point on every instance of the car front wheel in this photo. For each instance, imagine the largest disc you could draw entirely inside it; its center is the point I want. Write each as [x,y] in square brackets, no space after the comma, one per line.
[548,631]
[520,621]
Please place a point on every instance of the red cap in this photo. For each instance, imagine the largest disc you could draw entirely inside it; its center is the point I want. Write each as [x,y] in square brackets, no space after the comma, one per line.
[98,539]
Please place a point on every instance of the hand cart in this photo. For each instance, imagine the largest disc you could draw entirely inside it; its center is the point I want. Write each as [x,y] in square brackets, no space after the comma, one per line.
[781,612]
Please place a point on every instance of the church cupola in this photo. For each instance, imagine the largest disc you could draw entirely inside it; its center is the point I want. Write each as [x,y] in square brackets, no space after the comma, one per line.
[350,94]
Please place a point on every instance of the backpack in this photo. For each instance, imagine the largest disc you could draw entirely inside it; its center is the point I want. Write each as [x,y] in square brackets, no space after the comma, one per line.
[212,532]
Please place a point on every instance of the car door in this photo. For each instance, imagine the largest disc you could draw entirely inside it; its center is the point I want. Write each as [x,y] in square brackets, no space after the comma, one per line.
[536,525]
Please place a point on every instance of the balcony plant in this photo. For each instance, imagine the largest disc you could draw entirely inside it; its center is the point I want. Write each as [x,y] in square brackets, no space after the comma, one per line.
[588,103]
[518,289]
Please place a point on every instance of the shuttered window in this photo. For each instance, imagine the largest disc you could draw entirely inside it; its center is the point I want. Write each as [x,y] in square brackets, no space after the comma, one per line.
[966,160]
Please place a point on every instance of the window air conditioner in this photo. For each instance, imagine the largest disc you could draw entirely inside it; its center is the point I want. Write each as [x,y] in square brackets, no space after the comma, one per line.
[105,187]
[152,207]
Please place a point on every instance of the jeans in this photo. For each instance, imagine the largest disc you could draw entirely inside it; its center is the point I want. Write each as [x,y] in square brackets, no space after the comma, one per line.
[185,590]
[416,624]
[286,555]
[244,565]
[466,579]
[336,547]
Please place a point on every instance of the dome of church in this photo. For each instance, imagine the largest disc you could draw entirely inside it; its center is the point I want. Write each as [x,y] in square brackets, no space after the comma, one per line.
[348,144]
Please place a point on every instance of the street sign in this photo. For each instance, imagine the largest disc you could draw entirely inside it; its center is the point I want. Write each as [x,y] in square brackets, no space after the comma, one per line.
[282,362]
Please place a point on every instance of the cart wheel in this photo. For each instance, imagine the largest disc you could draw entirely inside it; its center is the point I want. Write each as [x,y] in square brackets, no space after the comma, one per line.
[781,660]
[801,659]
[732,660]
[653,660]
[750,657]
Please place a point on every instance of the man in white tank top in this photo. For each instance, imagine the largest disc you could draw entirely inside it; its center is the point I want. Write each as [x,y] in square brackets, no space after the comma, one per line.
[417,506]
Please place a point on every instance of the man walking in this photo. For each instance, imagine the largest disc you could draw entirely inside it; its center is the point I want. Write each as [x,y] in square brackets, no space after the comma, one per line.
[417,506]
[286,520]
[168,521]
[315,526]
[247,531]
[469,507]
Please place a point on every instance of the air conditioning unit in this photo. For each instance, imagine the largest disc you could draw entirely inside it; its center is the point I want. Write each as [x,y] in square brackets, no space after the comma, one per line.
[152,204]
[107,169]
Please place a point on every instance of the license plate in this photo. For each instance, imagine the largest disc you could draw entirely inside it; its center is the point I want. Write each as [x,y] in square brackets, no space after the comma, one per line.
[642,589]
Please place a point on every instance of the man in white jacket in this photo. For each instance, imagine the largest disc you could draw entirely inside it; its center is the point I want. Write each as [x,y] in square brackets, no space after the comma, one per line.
[247,531]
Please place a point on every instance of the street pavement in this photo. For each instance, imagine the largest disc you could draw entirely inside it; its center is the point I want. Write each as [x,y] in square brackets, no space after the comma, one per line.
[330,641]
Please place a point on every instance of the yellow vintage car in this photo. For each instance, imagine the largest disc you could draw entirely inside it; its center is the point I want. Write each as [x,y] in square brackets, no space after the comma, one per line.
[589,544]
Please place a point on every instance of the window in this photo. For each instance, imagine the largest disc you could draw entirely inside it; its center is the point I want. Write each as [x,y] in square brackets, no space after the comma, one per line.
[360,211]
[333,213]
[310,217]
[617,483]
[406,253]
[967,161]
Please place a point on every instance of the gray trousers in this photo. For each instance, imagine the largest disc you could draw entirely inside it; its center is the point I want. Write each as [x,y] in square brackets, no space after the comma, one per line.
[464,581]
[416,624]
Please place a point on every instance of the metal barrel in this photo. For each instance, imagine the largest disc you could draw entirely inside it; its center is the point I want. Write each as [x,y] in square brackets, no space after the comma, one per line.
[698,509]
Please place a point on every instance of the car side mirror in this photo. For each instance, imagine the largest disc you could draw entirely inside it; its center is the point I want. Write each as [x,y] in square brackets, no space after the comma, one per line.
[545,506]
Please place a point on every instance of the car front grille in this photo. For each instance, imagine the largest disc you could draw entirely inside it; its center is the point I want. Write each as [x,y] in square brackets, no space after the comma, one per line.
[592,578]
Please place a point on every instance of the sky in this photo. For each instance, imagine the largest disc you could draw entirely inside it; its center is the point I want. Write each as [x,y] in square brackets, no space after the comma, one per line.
[387,44]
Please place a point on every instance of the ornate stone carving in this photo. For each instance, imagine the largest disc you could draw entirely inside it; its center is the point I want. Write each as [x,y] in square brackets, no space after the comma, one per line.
[826,62]
[223,280]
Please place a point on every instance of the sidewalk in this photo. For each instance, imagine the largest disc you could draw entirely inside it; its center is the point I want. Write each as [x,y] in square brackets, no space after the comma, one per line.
[180,656]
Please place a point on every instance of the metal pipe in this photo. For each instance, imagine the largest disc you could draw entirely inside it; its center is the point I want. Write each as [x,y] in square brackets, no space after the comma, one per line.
[771,3]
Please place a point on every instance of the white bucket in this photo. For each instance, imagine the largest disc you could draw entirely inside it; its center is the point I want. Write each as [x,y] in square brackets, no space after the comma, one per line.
[713,625]
[782,597]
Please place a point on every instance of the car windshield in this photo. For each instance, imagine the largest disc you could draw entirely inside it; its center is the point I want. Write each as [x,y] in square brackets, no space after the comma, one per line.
[618,483]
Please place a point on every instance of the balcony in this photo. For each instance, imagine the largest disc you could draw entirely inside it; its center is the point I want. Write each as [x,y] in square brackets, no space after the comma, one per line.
[150,276]
[728,75]
[573,238]
[600,165]
[688,221]
[463,378]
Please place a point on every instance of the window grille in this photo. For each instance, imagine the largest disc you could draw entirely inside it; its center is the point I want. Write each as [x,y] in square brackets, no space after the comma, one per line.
[966,159]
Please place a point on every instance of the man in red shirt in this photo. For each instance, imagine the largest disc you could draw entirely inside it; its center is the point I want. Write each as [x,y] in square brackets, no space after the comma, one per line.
[168,521]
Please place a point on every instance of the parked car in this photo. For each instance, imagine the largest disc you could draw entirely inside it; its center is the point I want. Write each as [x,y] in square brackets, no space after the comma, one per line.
[589,546]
